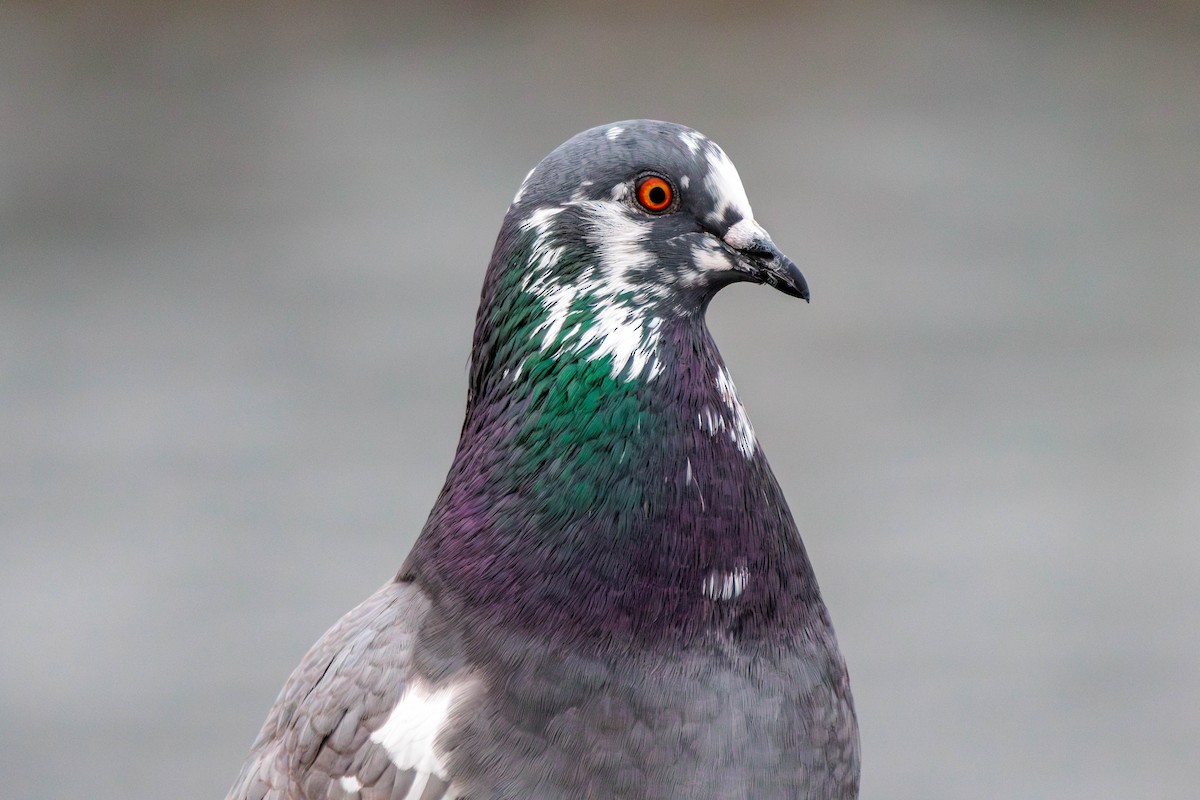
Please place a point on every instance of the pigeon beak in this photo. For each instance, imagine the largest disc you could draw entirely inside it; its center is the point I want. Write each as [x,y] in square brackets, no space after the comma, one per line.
[759,260]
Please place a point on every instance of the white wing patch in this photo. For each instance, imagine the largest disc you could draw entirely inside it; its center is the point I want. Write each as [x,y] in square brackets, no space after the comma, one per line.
[410,733]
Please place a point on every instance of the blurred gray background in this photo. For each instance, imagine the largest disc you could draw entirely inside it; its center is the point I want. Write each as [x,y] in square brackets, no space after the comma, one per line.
[240,251]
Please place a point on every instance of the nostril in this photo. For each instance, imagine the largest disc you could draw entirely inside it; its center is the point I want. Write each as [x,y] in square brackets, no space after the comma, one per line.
[760,250]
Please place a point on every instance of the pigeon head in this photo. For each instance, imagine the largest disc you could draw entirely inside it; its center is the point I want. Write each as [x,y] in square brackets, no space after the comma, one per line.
[662,207]
[620,229]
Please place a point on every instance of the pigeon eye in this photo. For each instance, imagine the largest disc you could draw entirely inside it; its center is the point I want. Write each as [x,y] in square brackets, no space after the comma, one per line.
[654,194]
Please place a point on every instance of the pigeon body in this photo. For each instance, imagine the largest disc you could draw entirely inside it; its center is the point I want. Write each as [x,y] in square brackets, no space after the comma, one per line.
[610,598]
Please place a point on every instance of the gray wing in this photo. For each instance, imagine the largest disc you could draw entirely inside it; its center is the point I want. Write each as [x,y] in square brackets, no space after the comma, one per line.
[317,741]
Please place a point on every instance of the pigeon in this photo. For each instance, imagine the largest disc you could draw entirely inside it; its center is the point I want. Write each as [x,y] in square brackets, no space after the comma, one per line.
[610,597]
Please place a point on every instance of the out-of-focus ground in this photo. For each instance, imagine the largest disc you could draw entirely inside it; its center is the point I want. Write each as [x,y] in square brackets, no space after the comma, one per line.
[240,250]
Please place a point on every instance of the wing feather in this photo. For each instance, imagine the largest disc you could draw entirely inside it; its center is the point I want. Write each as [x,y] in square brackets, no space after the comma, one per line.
[317,742]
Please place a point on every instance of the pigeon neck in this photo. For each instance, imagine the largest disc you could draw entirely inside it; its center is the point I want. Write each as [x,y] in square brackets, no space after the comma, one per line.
[583,500]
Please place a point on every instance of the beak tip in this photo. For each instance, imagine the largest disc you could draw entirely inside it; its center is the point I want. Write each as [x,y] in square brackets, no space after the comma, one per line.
[794,280]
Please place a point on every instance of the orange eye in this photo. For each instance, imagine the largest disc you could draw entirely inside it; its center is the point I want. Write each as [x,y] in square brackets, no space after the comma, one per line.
[654,193]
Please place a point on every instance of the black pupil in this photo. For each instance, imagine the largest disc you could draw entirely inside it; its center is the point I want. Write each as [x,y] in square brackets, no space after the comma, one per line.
[658,195]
